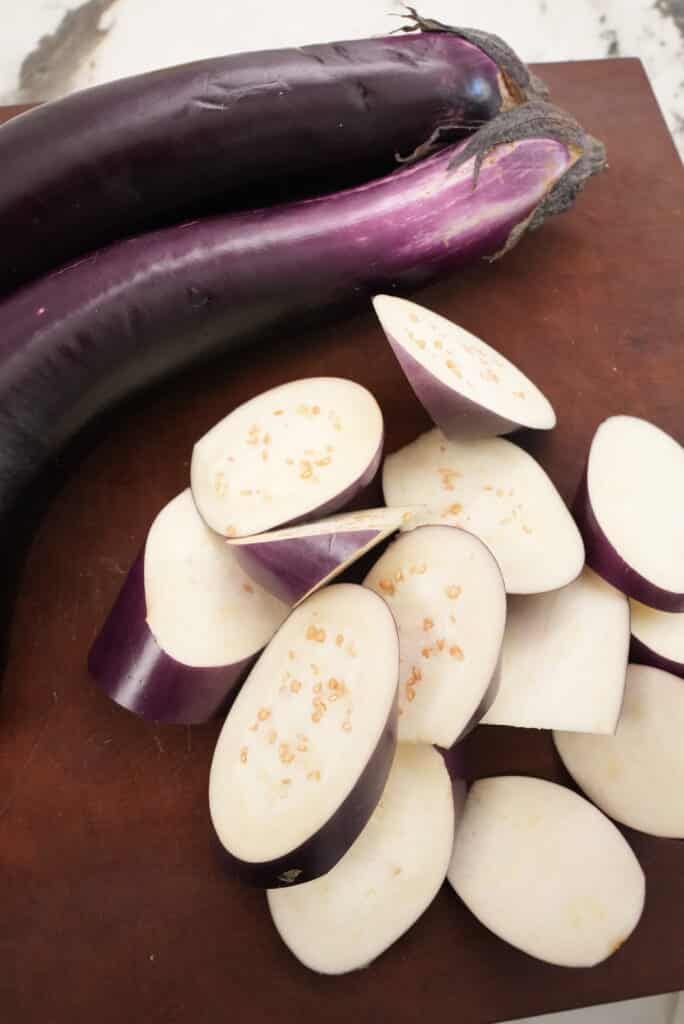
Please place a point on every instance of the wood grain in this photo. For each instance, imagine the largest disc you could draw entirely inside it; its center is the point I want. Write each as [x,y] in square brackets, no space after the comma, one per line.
[113,902]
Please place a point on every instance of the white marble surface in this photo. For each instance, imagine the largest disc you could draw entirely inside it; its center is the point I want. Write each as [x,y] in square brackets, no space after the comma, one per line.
[654,1010]
[51,47]
[86,43]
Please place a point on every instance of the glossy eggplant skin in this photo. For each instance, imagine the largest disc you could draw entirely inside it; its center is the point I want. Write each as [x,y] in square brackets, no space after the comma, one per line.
[74,343]
[130,666]
[604,559]
[233,132]
[321,851]
[290,568]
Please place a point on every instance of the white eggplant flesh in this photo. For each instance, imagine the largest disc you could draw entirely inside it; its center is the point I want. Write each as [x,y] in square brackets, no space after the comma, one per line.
[637,775]
[546,871]
[305,751]
[446,593]
[468,388]
[389,877]
[494,489]
[297,452]
[564,659]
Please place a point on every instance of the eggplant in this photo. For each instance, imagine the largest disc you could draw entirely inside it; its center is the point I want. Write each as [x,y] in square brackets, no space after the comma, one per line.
[294,453]
[468,389]
[657,638]
[497,491]
[293,562]
[386,881]
[305,751]
[77,341]
[545,871]
[447,596]
[155,148]
[564,658]
[637,775]
[187,625]
[628,508]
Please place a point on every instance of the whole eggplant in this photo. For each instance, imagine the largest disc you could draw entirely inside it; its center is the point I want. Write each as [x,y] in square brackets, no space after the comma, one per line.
[74,343]
[237,131]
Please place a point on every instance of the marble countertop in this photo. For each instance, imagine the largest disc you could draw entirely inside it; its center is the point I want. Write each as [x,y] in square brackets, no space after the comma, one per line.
[51,47]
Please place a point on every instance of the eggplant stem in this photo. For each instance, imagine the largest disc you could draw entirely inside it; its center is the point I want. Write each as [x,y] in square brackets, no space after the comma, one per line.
[521,84]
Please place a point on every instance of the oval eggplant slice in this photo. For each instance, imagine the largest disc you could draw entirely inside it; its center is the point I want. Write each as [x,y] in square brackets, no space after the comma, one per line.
[305,751]
[564,659]
[521,837]
[386,881]
[497,491]
[629,509]
[637,775]
[468,388]
[448,600]
[187,624]
[293,562]
[657,638]
[296,452]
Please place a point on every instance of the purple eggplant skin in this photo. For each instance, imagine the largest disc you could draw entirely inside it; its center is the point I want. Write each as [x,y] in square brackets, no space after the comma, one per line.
[321,851]
[456,415]
[641,654]
[235,131]
[602,557]
[135,672]
[76,342]
[289,569]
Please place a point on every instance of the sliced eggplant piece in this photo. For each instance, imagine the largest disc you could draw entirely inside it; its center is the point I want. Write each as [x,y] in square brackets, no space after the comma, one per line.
[187,624]
[305,751]
[446,594]
[545,871]
[629,509]
[468,388]
[389,877]
[296,452]
[293,562]
[564,659]
[657,638]
[497,491]
[637,775]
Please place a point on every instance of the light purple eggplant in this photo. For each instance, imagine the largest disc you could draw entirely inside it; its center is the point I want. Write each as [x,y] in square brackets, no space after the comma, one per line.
[78,341]
[294,562]
[238,130]
[187,624]
[306,749]
[627,509]
[469,390]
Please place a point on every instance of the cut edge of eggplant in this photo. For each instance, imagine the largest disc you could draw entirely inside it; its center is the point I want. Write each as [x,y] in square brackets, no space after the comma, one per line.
[293,851]
[468,388]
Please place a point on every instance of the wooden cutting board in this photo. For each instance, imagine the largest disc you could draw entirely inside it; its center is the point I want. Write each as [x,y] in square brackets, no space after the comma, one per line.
[113,905]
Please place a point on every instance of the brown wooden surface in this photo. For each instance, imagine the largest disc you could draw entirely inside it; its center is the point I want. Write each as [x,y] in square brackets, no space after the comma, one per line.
[113,906]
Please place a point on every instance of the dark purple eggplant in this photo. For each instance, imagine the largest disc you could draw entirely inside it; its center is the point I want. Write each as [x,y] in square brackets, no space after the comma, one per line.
[237,131]
[76,342]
